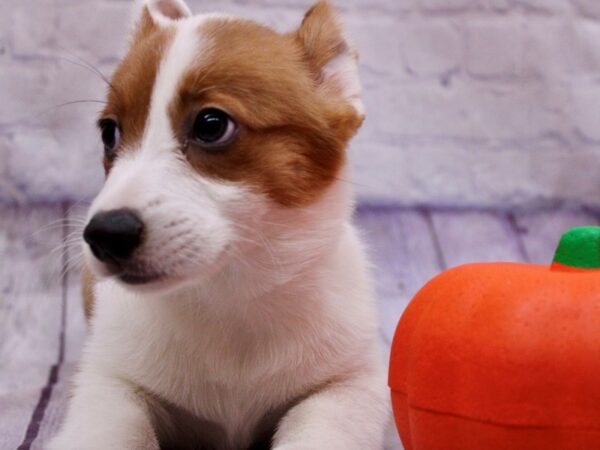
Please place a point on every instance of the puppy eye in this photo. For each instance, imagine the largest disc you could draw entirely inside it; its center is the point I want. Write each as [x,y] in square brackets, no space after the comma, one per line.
[213,128]
[111,135]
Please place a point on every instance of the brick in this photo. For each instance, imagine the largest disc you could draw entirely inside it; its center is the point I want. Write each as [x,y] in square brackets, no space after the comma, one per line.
[49,30]
[493,48]
[203,6]
[33,31]
[262,6]
[522,112]
[365,7]
[462,174]
[556,47]
[4,52]
[422,110]
[466,111]
[55,152]
[72,84]
[546,7]
[22,86]
[549,49]
[32,88]
[445,6]
[378,41]
[587,35]
[300,6]
[5,24]
[282,19]
[104,37]
[430,48]
[499,5]
[49,164]
[587,8]
[8,191]
[586,115]
[543,6]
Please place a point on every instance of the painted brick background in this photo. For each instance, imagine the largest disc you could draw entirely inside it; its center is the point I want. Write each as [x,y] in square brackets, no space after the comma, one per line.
[470,102]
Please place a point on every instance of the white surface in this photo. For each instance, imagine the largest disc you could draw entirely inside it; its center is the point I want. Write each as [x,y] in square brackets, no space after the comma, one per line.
[407,247]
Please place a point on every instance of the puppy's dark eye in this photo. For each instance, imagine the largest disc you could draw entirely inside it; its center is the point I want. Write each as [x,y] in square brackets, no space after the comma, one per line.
[213,128]
[111,135]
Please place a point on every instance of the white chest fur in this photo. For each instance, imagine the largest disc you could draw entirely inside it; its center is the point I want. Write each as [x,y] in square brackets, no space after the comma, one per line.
[232,361]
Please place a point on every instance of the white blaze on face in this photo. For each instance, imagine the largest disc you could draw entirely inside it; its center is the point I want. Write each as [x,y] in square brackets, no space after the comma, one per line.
[126,179]
[187,49]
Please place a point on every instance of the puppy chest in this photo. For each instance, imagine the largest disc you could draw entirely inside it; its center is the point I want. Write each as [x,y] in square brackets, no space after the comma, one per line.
[220,429]
[218,403]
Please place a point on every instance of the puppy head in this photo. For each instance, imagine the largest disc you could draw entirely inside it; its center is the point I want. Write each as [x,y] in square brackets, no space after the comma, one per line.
[218,132]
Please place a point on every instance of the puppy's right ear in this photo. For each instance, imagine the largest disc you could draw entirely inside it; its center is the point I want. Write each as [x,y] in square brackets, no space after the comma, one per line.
[331,56]
[154,14]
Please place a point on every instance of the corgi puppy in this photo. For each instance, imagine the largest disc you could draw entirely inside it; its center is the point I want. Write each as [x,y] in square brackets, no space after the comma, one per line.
[232,306]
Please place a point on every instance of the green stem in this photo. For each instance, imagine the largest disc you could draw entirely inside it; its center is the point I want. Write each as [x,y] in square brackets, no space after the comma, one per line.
[579,247]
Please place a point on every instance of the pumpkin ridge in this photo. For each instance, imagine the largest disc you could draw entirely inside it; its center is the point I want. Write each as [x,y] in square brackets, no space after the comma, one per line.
[500,423]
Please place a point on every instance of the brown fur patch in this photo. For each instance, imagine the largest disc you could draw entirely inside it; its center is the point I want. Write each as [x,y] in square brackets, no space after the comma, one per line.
[321,36]
[132,83]
[293,129]
[292,138]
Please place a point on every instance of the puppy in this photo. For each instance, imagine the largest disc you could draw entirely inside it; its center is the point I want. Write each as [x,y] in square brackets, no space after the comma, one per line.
[232,306]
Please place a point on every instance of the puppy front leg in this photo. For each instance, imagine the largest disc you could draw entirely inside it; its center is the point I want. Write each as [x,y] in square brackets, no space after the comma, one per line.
[347,415]
[105,413]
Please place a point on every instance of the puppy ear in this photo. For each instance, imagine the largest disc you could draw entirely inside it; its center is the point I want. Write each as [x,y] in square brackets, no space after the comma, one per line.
[164,12]
[158,13]
[330,55]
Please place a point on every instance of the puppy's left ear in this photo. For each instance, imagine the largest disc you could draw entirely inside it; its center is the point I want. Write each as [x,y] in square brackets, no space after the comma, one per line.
[331,56]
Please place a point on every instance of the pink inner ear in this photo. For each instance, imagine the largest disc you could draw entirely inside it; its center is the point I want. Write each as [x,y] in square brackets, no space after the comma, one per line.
[171,9]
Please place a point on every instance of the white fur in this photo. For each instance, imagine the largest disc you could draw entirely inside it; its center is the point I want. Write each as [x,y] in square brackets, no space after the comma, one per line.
[261,307]
[342,73]
[186,47]
[340,76]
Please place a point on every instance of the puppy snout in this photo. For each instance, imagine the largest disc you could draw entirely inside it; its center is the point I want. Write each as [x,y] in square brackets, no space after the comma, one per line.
[114,235]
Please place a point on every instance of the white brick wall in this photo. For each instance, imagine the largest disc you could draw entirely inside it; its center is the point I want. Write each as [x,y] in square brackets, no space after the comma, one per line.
[470,102]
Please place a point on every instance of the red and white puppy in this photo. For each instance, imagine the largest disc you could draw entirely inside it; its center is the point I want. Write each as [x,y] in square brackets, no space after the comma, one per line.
[233,309]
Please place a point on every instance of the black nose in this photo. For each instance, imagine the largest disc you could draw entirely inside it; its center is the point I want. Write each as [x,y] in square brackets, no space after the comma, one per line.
[114,235]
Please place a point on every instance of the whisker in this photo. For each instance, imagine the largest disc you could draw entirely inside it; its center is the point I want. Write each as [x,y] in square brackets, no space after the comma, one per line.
[78,203]
[72,263]
[56,225]
[67,244]
[74,243]
[62,105]
[78,232]
[86,65]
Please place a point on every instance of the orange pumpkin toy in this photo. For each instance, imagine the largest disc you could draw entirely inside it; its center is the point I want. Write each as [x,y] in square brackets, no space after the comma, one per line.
[503,356]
